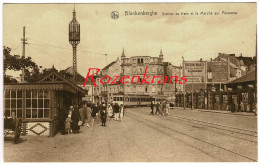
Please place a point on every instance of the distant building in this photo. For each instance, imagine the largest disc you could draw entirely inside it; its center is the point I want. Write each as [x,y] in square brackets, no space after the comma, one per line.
[215,73]
[135,66]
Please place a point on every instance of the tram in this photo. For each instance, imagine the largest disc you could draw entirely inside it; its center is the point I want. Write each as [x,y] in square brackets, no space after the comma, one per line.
[137,100]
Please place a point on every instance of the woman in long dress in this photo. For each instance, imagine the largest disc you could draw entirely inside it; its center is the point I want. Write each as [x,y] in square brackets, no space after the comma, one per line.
[109,111]
[121,113]
[75,117]
[89,117]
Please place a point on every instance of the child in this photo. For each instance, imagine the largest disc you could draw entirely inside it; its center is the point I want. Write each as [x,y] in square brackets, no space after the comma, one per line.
[67,124]
[103,117]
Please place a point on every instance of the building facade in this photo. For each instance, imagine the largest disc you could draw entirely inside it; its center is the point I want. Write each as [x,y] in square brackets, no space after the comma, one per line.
[135,68]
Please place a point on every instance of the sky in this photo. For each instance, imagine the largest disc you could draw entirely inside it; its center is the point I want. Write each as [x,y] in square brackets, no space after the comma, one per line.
[190,36]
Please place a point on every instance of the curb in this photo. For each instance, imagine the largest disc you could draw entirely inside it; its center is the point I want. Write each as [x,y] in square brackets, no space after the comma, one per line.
[241,114]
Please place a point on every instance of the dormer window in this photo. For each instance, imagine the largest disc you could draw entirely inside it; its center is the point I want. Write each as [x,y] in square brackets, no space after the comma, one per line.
[140,60]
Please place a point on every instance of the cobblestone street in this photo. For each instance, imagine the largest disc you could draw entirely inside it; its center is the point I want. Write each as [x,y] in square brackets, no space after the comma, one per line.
[184,135]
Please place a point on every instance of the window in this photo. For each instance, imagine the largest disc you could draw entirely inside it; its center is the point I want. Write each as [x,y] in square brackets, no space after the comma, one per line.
[154,69]
[139,89]
[13,103]
[37,104]
[153,89]
[140,80]
[146,89]
[134,88]
[140,60]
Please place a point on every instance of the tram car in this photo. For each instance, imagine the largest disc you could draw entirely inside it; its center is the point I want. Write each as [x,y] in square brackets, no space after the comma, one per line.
[137,100]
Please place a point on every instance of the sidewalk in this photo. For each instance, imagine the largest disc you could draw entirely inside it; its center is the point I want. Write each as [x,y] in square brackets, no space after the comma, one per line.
[219,111]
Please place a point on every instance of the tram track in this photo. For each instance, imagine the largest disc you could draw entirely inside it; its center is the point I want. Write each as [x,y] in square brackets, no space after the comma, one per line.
[199,145]
[224,128]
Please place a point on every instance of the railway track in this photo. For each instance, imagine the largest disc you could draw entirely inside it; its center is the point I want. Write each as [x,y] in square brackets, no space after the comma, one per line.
[216,151]
[245,134]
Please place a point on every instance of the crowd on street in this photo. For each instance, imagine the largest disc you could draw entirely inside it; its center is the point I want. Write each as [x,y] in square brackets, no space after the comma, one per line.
[161,108]
[70,120]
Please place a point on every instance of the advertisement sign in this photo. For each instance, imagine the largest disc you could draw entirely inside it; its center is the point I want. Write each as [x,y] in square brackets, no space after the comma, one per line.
[195,70]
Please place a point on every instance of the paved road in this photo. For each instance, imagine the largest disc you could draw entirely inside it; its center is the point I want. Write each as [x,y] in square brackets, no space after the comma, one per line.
[182,136]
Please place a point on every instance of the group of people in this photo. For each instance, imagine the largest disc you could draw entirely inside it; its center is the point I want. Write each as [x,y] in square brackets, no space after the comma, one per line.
[241,107]
[71,119]
[109,111]
[162,108]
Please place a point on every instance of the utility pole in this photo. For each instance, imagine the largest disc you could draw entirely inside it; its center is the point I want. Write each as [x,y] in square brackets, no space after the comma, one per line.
[183,72]
[192,105]
[228,68]
[24,41]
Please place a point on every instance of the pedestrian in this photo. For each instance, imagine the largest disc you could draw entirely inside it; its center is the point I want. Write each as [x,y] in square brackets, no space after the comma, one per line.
[242,106]
[160,109]
[70,110]
[121,111]
[236,106]
[116,110]
[98,110]
[167,108]
[68,124]
[85,110]
[89,117]
[109,111]
[152,106]
[164,107]
[82,116]
[95,111]
[232,106]
[113,110]
[103,116]
[157,108]
[75,117]
[63,113]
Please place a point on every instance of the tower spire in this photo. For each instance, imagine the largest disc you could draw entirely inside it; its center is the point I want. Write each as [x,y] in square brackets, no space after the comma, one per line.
[123,54]
[161,54]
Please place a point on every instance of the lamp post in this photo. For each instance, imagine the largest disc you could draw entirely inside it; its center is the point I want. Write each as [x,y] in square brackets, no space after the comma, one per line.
[74,39]
[183,72]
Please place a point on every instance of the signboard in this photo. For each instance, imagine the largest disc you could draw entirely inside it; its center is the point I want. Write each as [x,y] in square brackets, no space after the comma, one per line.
[195,70]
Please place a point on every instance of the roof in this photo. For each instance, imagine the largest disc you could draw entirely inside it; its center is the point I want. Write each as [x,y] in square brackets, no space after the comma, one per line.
[109,65]
[53,76]
[246,78]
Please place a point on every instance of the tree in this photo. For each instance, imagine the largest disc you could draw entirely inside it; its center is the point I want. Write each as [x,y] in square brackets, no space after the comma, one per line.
[16,63]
